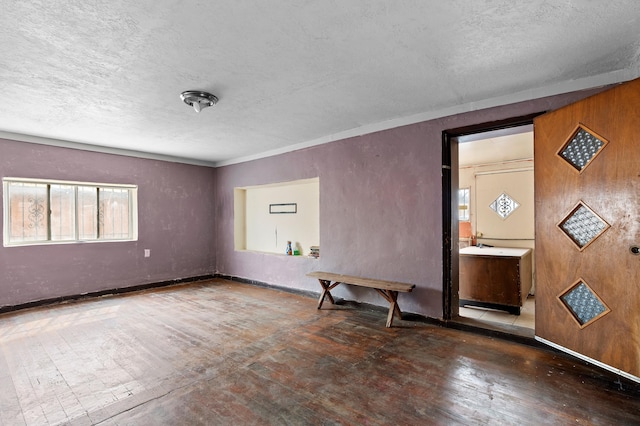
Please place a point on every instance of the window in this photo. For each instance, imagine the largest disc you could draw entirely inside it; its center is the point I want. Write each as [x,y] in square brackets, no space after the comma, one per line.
[463,204]
[43,211]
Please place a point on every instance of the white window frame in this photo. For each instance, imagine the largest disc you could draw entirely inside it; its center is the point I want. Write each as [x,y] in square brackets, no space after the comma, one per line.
[133,211]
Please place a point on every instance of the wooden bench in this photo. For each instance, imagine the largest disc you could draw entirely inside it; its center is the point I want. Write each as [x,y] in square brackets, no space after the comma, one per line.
[387,289]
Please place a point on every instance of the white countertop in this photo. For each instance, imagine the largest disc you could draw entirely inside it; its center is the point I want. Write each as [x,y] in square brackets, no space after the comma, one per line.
[495,251]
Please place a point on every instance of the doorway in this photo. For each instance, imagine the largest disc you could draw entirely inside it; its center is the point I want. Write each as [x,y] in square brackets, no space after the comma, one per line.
[490,214]
[496,227]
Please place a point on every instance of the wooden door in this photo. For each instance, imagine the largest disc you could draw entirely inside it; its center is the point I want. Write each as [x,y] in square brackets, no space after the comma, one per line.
[587,221]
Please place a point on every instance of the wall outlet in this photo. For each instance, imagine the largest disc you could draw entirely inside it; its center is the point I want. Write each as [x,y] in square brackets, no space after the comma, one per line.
[147,252]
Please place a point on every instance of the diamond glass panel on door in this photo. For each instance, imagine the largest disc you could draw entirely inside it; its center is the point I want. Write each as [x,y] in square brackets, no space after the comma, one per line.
[582,226]
[582,148]
[583,304]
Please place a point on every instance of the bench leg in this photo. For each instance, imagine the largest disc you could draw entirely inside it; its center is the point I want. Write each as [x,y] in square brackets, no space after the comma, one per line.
[391,297]
[326,287]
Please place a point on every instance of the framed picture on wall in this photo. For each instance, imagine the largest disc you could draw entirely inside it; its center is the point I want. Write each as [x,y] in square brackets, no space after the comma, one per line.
[284,208]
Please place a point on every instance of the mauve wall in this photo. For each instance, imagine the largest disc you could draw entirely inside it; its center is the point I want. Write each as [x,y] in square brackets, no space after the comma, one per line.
[380,208]
[176,207]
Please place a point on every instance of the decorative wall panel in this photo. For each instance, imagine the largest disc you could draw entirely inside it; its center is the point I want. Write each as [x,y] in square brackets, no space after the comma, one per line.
[504,205]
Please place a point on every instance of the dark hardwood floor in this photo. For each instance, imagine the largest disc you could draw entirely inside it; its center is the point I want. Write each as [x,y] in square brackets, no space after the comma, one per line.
[221,352]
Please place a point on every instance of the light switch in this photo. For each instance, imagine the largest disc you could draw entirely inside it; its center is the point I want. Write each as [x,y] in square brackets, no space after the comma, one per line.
[147,252]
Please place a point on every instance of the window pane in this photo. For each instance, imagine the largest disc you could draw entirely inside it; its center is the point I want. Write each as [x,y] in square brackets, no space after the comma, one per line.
[87,213]
[114,213]
[463,204]
[62,205]
[27,211]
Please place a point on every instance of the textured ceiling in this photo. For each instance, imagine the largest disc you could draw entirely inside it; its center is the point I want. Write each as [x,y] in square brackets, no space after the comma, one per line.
[108,73]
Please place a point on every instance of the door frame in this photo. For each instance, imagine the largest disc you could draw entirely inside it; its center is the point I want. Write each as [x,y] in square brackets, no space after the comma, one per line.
[450,260]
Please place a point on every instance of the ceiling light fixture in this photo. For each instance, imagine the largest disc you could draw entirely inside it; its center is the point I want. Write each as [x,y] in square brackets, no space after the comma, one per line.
[198,99]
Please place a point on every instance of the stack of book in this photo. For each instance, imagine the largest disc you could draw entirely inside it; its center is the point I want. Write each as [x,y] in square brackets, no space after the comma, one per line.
[315,251]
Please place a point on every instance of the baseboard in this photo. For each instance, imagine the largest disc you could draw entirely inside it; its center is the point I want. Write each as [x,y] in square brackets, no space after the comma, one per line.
[62,299]
[306,293]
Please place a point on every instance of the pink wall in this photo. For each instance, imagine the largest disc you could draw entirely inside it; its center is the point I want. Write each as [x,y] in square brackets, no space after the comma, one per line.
[176,205]
[380,208]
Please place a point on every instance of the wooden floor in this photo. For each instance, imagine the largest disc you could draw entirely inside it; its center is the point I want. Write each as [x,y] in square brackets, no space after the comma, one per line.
[220,352]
